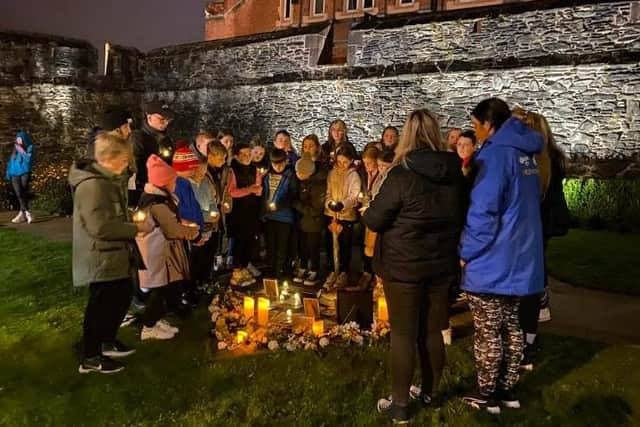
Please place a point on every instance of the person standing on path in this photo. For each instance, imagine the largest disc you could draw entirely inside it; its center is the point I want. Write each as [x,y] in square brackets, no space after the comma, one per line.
[19,173]
[501,249]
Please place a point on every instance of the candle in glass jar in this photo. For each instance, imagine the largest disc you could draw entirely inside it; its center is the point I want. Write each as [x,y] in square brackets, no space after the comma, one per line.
[249,307]
[241,337]
[263,311]
[296,300]
[383,312]
[318,327]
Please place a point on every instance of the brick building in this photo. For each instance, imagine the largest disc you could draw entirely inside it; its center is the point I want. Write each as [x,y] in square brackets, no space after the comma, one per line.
[235,18]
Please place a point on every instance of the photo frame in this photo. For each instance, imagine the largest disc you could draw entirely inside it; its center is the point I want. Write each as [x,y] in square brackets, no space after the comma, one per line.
[311,307]
[271,288]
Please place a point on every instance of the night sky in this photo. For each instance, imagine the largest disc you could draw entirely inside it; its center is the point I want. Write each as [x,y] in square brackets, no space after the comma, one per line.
[144,24]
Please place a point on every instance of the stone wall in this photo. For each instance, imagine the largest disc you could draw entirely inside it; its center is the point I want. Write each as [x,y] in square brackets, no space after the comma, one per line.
[576,65]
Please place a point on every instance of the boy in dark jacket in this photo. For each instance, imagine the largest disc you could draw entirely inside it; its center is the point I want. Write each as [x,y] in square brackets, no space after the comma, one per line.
[309,205]
[279,186]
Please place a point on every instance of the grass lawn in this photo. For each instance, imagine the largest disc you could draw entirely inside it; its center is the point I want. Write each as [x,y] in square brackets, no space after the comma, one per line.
[186,383]
[597,259]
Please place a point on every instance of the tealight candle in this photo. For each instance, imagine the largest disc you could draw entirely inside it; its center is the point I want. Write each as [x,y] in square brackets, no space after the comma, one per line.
[214,214]
[272,206]
[226,205]
[249,307]
[263,311]
[139,216]
[289,315]
[296,300]
[318,327]
[241,337]
[165,152]
[383,312]
[282,297]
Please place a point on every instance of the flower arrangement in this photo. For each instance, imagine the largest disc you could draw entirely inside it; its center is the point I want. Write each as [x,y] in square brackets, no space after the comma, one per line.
[233,330]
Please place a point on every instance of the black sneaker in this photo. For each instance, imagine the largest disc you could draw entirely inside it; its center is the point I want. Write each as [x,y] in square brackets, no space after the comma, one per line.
[399,415]
[102,364]
[477,400]
[508,399]
[117,349]
[415,392]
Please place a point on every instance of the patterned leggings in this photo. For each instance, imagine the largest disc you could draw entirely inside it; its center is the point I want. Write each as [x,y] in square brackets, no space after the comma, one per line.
[498,341]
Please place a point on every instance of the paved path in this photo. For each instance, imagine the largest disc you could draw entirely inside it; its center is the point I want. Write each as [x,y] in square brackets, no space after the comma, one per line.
[593,315]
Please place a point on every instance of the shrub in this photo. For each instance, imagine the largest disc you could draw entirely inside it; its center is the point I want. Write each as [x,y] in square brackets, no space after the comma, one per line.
[50,188]
[612,204]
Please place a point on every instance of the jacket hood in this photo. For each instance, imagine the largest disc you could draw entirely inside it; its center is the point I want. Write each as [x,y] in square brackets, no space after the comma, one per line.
[26,139]
[437,166]
[514,133]
[83,170]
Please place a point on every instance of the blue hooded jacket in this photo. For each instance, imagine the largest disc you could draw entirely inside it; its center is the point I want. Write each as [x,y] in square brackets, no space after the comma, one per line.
[502,239]
[282,198]
[21,163]
[188,206]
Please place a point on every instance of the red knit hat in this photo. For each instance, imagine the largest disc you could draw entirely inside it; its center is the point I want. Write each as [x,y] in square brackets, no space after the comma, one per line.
[160,174]
[184,158]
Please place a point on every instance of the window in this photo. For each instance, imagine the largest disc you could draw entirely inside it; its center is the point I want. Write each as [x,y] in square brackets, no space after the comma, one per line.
[406,2]
[368,4]
[352,5]
[318,7]
[286,10]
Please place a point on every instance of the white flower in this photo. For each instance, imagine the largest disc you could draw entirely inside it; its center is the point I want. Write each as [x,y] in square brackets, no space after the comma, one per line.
[290,346]
[358,339]
[222,345]
[324,341]
[273,345]
[310,346]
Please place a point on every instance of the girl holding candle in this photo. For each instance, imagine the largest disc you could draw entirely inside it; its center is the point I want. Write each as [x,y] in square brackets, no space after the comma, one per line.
[418,215]
[343,188]
[163,251]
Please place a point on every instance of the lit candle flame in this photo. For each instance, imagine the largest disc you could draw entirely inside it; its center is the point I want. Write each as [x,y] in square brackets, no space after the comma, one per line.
[139,216]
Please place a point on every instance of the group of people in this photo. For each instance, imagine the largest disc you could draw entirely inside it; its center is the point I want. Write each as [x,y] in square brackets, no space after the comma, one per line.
[155,220]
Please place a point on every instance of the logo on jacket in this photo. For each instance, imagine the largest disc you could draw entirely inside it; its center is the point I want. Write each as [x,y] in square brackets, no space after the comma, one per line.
[529,165]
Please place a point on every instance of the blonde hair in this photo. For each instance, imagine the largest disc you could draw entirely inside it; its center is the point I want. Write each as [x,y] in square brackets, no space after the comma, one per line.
[538,123]
[110,145]
[338,123]
[421,130]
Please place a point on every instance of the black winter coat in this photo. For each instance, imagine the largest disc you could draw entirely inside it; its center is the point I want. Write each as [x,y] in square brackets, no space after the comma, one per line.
[309,202]
[418,215]
[146,142]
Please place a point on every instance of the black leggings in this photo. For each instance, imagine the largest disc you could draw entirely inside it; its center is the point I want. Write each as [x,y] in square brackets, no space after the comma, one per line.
[21,187]
[310,250]
[530,305]
[417,313]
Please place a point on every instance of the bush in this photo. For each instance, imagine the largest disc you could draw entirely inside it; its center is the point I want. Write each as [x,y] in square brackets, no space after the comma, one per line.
[51,190]
[612,204]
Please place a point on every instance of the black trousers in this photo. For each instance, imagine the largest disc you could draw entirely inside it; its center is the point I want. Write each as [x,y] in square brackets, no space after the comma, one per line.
[417,314]
[345,242]
[107,306]
[310,244]
[530,305]
[21,187]
[279,238]
[160,301]
[201,260]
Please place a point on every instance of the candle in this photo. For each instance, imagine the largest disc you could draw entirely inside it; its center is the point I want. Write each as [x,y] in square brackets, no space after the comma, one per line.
[249,307]
[360,197]
[165,152]
[214,214]
[282,297]
[318,327]
[263,311]
[241,337]
[383,313]
[296,300]
[262,171]
[272,206]
[226,206]
[139,216]
[285,287]
[289,315]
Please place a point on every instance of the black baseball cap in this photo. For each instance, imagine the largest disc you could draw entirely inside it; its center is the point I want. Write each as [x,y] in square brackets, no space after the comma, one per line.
[159,107]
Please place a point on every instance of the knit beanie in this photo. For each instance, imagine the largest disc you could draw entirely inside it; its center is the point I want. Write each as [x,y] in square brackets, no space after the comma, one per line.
[160,174]
[184,158]
[305,166]
[114,117]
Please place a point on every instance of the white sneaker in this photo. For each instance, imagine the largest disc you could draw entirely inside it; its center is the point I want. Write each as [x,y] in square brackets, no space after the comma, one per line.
[446,336]
[19,218]
[545,315]
[27,215]
[311,279]
[155,333]
[163,324]
[253,270]
[299,275]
